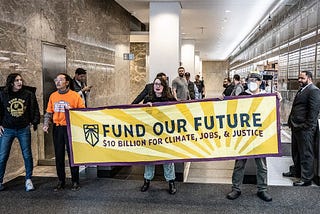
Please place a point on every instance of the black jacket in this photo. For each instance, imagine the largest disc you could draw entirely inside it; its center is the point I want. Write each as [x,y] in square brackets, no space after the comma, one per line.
[192,93]
[153,99]
[143,94]
[305,109]
[18,109]
[228,90]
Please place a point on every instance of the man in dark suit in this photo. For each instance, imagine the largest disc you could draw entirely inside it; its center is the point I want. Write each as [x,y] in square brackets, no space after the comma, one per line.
[303,121]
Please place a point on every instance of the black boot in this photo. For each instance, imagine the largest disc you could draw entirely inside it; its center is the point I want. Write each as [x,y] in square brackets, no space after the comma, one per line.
[145,186]
[172,187]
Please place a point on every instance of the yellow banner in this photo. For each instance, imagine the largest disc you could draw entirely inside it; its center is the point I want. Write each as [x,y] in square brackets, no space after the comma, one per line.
[176,132]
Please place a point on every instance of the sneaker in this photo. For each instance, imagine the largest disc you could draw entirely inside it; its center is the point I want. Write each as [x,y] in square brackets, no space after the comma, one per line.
[264,195]
[145,185]
[60,186]
[29,185]
[75,186]
[234,194]
[1,187]
[172,187]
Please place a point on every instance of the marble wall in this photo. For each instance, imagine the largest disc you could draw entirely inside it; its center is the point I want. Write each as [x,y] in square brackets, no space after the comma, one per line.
[213,74]
[138,68]
[95,34]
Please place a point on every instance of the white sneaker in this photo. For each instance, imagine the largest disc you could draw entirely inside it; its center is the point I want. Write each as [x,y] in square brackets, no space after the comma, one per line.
[29,185]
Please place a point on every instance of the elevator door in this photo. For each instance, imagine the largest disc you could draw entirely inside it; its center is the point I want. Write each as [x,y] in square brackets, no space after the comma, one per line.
[53,62]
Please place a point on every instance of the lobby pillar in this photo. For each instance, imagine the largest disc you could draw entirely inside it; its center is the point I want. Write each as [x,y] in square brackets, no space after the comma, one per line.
[198,64]
[188,56]
[164,49]
[164,39]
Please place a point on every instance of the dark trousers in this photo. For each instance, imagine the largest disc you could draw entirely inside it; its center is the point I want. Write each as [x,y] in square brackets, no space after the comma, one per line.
[303,153]
[60,141]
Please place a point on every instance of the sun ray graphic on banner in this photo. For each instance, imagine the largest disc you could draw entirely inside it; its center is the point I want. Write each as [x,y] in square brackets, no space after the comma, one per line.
[192,131]
[118,117]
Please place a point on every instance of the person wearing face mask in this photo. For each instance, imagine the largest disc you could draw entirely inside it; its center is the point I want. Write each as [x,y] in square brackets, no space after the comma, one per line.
[160,93]
[228,87]
[254,82]
[18,111]
[303,121]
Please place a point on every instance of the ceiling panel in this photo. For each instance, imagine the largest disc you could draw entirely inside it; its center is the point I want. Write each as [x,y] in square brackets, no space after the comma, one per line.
[217,26]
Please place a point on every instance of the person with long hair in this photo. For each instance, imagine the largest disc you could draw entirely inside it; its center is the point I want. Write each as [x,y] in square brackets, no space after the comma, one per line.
[60,100]
[18,110]
[160,93]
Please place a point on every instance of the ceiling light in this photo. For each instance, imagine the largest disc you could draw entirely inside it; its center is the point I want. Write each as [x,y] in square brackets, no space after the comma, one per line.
[227,11]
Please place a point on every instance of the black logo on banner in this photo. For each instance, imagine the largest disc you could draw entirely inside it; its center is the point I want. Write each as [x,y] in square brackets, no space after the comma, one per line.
[91,133]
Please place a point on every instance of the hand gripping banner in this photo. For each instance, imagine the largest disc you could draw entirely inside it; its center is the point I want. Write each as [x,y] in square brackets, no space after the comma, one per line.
[212,129]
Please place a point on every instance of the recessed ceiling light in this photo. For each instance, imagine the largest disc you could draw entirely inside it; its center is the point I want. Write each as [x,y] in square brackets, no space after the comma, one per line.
[227,11]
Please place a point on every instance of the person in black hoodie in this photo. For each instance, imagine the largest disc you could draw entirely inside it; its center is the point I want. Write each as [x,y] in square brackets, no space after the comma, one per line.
[18,110]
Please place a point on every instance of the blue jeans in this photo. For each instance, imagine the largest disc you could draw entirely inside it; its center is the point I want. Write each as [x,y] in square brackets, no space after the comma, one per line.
[6,140]
[168,170]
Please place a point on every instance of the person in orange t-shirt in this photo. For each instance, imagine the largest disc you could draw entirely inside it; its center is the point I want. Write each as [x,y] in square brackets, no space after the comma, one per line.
[60,100]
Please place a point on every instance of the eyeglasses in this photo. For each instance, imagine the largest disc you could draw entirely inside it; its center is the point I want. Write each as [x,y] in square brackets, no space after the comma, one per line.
[59,80]
[18,80]
[157,84]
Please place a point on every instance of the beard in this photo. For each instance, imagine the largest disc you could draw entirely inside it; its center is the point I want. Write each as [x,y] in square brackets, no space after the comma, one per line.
[303,84]
[181,75]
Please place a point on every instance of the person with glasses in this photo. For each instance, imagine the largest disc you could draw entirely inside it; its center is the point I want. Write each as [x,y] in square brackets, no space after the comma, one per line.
[64,98]
[149,87]
[160,93]
[18,111]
